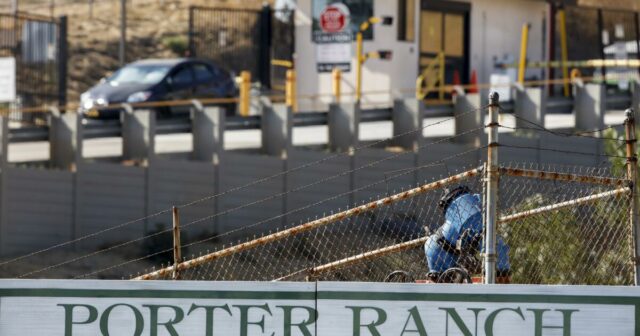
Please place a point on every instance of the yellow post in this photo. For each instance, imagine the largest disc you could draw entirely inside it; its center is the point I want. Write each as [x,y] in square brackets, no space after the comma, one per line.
[245,95]
[563,47]
[441,75]
[524,41]
[419,93]
[359,61]
[290,90]
[337,81]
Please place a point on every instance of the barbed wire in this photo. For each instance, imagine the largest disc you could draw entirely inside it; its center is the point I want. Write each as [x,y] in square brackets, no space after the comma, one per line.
[541,128]
[155,234]
[435,163]
[561,151]
[244,228]
[253,183]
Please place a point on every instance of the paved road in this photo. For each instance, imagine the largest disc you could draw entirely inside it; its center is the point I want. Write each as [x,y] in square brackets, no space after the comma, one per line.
[244,139]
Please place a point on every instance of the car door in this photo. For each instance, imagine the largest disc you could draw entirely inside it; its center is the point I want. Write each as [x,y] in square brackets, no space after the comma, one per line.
[181,86]
[206,84]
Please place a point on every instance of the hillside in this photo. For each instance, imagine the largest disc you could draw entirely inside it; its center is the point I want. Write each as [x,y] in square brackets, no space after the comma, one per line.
[94,32]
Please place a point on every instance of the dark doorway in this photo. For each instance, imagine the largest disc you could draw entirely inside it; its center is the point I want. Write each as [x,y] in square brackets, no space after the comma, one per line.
[444,30]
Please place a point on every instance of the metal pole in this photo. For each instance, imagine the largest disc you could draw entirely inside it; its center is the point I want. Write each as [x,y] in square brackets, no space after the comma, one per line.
[62,59]
[551,40]
[177,253]
[337,80]
[632,174]
[245,94]
[637,24]
[123,31]
[524,41]
[492,192]
[359,61]
[563,48]
[290,90]
[371,206]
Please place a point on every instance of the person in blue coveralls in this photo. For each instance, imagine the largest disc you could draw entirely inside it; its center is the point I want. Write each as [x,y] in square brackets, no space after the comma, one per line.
[461,235]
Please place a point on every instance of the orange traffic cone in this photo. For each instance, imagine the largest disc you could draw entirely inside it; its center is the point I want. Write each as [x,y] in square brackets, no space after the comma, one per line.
[456,81]
[473,82]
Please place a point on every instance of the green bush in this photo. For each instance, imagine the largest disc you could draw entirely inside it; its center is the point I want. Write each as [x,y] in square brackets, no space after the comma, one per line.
[177,44]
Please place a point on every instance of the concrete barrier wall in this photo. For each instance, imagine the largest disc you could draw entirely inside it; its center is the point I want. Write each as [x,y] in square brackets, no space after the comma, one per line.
[107,194]
[174,183]
[42,207]
[37,209]
[325,184]
[239,170]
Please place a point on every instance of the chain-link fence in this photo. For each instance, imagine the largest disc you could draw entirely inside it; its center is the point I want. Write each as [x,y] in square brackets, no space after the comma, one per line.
[565,227]
[556,225]
[364,243]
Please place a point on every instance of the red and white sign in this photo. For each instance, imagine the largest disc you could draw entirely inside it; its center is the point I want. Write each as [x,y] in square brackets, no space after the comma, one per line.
[334,18]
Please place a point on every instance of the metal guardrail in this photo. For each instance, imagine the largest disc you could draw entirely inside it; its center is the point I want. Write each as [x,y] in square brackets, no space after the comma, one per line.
[182,124]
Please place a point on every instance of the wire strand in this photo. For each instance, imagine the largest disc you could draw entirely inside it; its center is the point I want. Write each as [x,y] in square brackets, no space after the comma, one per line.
[434,163]
[541,128]
[561,151]
[243,187]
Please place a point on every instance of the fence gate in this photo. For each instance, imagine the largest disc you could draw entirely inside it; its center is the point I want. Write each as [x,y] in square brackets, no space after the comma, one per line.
[39,45]
[244,39]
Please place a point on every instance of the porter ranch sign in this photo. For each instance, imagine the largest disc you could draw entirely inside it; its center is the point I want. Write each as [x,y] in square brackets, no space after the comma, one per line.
[125,308]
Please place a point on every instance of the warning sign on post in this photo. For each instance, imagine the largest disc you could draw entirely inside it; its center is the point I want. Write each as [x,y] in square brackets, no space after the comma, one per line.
[333,40]
[7,79]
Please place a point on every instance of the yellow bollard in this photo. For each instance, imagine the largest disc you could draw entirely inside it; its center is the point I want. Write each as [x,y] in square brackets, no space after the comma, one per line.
[524,42]
[290,90]
[245,94]
[359,62]
[337,81]
[575,74]
[563,50]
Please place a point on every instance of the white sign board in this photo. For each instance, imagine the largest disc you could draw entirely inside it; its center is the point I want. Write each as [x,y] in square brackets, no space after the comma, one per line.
[333,39]
[186,308]
[7,79]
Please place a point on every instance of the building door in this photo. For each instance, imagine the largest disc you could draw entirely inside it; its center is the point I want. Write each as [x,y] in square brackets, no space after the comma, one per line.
[444,40]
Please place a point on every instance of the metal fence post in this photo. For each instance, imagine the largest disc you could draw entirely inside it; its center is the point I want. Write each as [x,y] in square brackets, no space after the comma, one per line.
[336,74]
[177,247]
[492,192]
[192,49]
[63,50]
[632,174]
[264,51]
[290,90]
[245,93]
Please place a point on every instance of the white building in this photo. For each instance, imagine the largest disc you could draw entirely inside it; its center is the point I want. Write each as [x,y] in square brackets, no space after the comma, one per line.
[473,34]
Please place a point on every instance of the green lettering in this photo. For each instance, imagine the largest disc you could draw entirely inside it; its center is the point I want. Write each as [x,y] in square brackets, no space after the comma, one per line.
[303,326]
[178,316]
[417,320]
[209,315]
[459,322]
[357,316]
[68,316]
[488,324]
[566,321]
[104,319]
[244,318]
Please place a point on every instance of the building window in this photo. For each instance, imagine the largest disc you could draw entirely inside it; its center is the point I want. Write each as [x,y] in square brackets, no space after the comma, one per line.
[406,20]
[360,11]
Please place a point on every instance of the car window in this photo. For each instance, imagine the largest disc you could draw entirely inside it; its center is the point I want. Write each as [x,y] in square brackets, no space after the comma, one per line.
[140,74]
[203,73]
[182,77]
